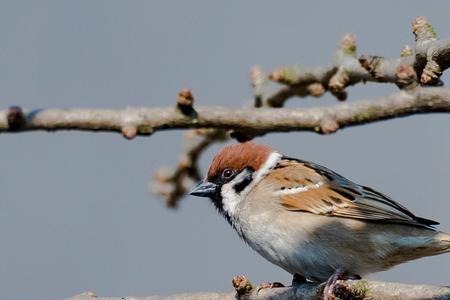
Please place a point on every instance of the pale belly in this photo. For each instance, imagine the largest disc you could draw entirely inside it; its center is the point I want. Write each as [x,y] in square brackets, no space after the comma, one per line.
[311,248]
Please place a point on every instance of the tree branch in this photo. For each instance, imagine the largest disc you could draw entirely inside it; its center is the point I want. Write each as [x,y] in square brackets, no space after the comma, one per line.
[345,290]
[145,121]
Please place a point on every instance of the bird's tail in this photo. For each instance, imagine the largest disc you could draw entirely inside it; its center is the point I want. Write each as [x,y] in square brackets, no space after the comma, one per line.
[443,240]
[420,243]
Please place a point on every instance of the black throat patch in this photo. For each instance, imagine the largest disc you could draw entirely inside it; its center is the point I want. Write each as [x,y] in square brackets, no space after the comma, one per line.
[217,201]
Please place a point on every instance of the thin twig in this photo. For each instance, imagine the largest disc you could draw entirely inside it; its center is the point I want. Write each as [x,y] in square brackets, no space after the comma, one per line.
[172,184]
[432,57]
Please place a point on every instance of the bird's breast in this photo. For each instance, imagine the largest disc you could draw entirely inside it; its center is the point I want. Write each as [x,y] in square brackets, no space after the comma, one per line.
[276,240]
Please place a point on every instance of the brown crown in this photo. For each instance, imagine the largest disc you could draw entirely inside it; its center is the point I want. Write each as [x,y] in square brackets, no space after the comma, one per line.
[238,157]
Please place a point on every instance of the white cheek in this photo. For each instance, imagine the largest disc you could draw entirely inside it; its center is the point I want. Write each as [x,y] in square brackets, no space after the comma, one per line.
[230,198]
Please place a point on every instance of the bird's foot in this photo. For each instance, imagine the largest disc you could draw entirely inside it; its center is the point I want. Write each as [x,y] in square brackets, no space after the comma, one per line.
[331,284]
[298,279]
[268,285]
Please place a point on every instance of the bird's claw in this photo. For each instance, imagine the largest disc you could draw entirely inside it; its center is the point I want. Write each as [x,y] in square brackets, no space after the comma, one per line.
[330,285]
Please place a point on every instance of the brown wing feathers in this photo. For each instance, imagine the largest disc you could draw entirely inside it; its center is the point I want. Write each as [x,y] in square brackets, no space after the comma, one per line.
[318,201]
[305,187]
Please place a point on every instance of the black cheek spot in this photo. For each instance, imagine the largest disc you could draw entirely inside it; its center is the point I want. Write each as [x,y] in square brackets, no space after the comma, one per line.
[240,186]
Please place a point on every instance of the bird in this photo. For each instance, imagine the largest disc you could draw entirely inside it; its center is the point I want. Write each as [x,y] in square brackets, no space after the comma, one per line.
[309,220]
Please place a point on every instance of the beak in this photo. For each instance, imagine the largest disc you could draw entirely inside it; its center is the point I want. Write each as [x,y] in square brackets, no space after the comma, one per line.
[204,189]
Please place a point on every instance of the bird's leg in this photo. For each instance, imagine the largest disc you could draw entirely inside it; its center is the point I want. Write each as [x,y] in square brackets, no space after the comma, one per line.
[268,285]
[330,285]
[298,279]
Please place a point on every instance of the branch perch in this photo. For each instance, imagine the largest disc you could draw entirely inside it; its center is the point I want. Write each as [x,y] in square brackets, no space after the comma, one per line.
[345,290]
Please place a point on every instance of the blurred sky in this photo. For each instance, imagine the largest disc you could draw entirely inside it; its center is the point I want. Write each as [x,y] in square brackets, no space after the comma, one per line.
[75,210]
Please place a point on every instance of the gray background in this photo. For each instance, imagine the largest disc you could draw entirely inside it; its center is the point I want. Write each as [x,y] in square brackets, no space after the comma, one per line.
[75,210]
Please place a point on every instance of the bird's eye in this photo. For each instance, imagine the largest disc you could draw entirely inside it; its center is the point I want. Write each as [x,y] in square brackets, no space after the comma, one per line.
[227,173]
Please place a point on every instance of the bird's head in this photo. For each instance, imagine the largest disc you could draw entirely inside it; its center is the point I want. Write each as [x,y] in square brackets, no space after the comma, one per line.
[233,172]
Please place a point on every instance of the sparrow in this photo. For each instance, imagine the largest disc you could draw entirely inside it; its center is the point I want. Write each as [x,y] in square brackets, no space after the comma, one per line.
[311,221]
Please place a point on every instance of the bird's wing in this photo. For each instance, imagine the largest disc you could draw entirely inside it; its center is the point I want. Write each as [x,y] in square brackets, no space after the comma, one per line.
[308,187]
